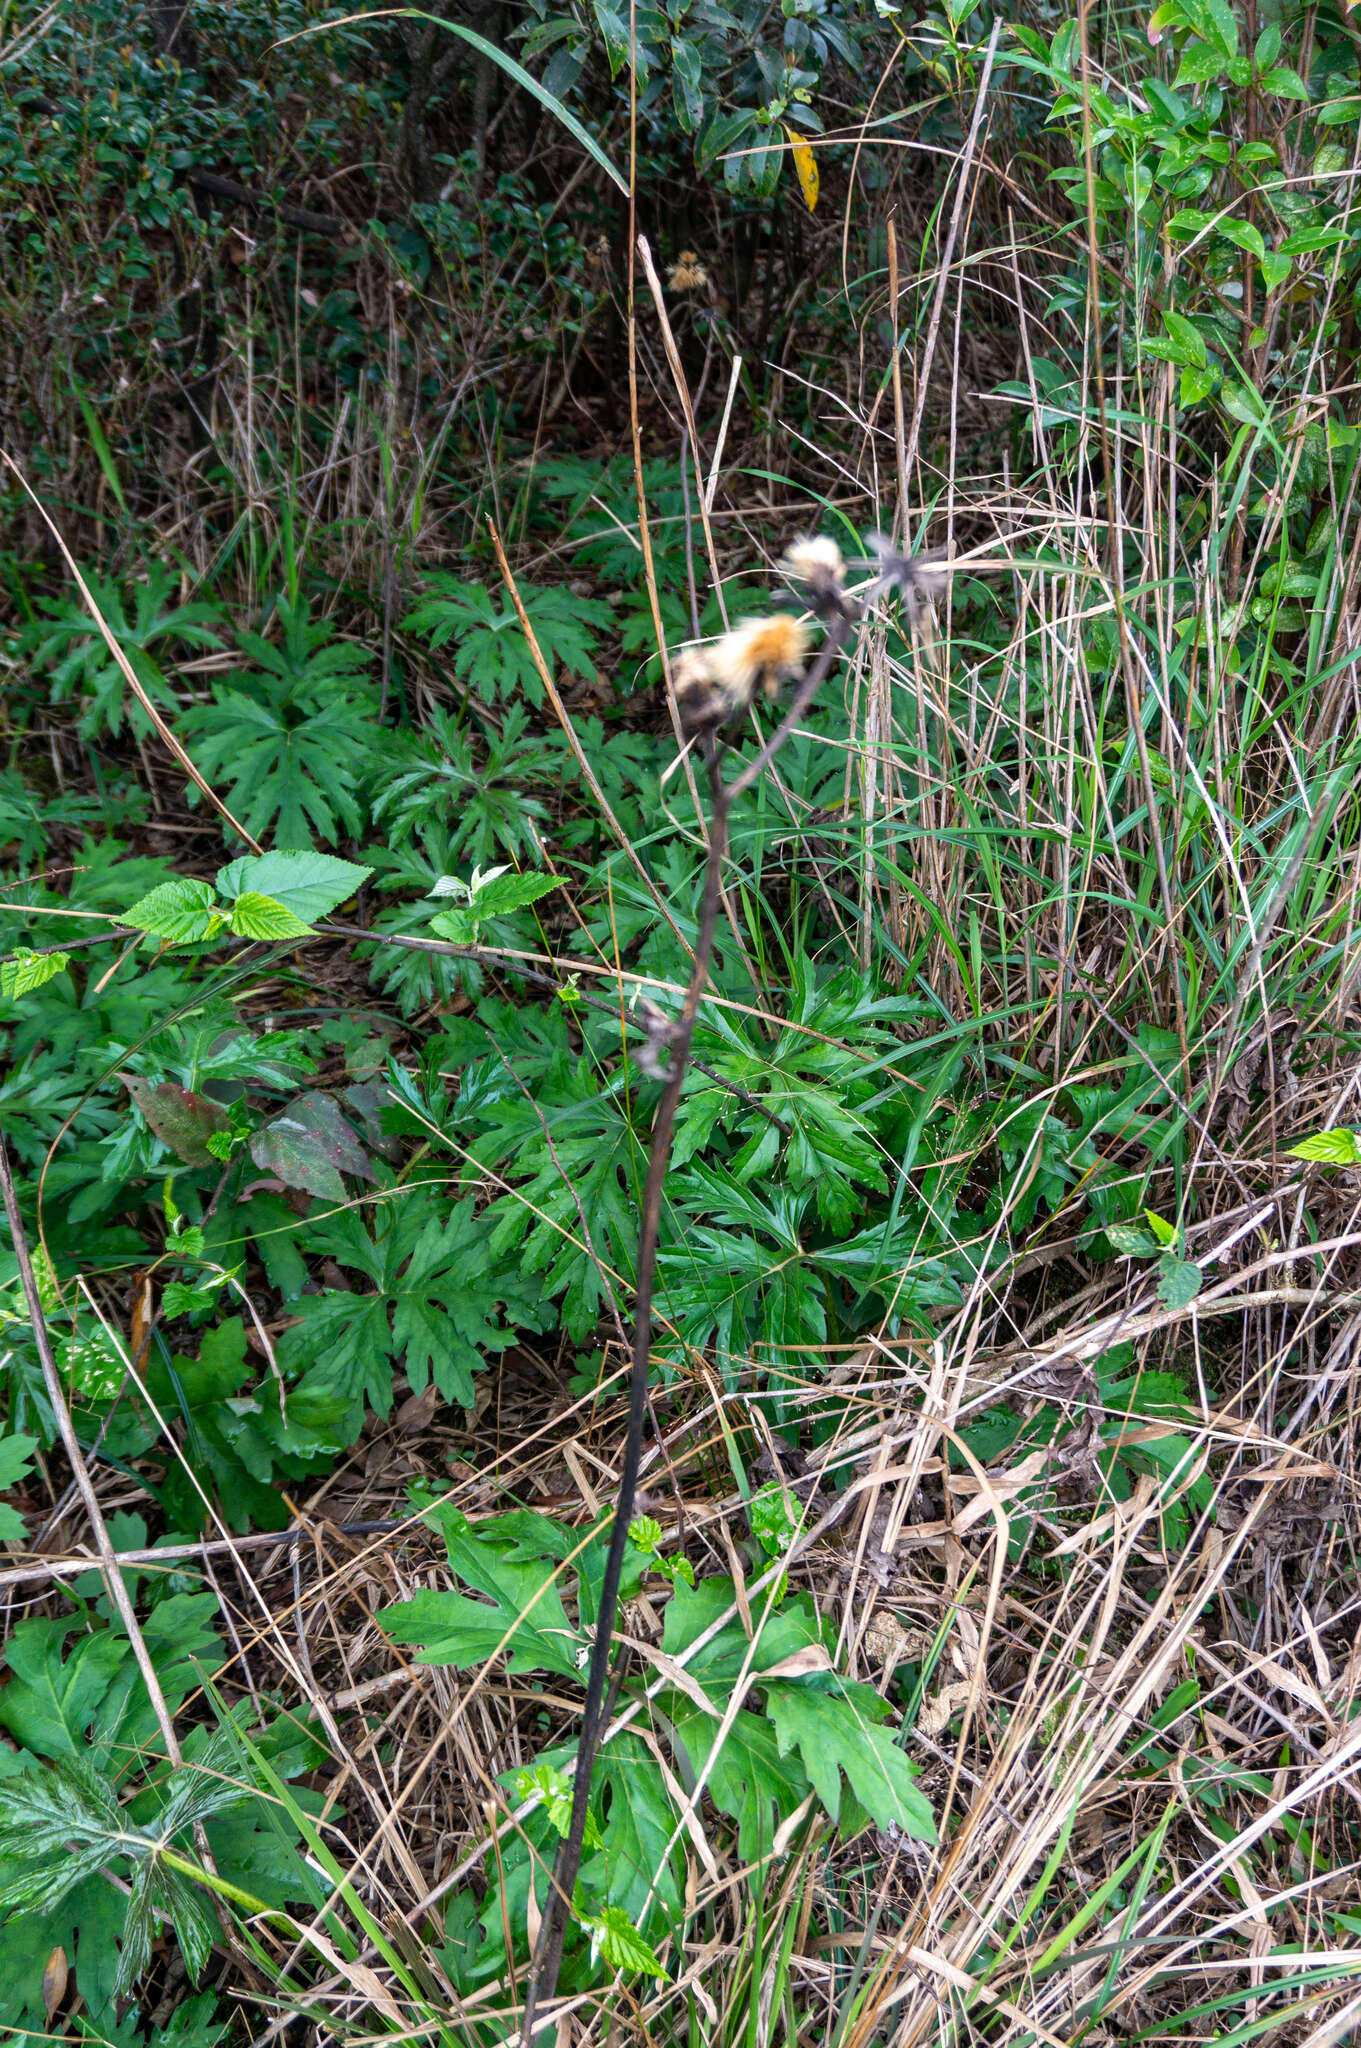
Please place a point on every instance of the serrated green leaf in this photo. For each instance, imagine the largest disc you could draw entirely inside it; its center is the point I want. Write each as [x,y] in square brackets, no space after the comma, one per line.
[253,916]
[615,1938]
[182,912]
[528,1623]
[21,973]
[551,1788]
[16,1456]
[311,885]
[502,893]
[1329,1148]
[832,1737]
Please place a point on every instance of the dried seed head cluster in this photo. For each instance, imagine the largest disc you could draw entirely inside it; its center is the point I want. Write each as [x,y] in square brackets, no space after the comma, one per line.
[715,684]
[919,579]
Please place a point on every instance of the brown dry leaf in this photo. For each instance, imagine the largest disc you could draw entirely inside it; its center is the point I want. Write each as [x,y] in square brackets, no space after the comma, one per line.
[935,1715]
[418,1410]
[55,1974]
[360,1978]
[799,1664]
[885,1643]
[143,1316]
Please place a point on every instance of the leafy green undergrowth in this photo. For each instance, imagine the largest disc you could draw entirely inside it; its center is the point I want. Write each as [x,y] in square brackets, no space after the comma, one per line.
[101,1842]
[804,1730]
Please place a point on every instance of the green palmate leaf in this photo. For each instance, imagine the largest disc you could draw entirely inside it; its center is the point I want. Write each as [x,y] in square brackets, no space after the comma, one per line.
[528,1622]
[60,1705]
[1179,1281]
[180,1299]
[776,1519]
[180,1119]
[1329,1148]
[615,1938]
[311,885]
[838,1734]
[22,972]
[644,1864]
[438,1304]
[181,912]
[491,651]
[15,1463]
[253,916]
[748,1779]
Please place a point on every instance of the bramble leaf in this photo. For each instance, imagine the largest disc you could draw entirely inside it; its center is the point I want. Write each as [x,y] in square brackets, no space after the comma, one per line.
[255,916]
[311,885]
[310,1146]
[22,972]
[181,912]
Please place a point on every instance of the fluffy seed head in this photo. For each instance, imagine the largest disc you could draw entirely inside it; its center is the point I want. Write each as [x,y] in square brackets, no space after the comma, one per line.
[687,273]
[758,654]
[816,561]
[703,704]
[715,684]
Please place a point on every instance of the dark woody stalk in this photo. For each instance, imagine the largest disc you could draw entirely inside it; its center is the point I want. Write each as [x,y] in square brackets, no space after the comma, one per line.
[713,687]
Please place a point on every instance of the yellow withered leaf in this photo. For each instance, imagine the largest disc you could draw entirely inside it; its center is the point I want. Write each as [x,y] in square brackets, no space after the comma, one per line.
[806,164]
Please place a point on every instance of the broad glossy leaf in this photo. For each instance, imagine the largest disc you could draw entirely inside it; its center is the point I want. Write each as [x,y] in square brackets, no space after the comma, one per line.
[310,1146]
[311,885]
[180,1119]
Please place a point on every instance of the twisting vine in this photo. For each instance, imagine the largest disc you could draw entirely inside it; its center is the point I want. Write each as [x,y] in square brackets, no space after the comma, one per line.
[714,685]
